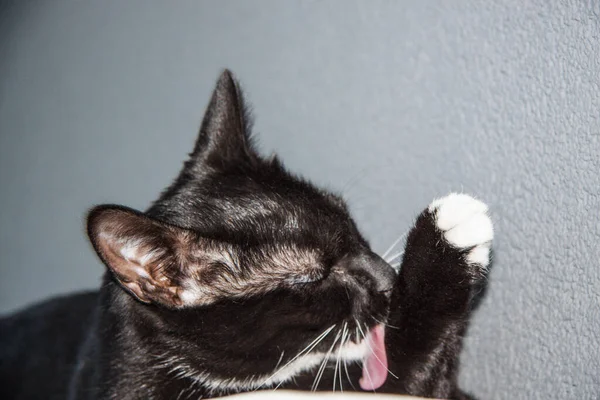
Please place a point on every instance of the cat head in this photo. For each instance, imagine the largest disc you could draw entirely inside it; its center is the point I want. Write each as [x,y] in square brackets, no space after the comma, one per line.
[240,265]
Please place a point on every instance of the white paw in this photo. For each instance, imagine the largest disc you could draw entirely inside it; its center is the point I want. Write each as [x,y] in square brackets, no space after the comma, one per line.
[464,222]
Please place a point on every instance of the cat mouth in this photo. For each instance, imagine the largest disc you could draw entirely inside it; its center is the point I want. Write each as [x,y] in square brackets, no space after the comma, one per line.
[371,350]
[375,364]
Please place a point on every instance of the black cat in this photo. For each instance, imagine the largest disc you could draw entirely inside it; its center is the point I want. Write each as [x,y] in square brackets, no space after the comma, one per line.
[241,277]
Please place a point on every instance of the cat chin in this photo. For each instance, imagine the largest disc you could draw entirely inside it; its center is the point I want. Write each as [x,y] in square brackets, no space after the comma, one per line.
[349,352]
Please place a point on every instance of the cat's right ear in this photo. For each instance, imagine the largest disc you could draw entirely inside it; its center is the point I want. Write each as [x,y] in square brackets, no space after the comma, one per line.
[141,252]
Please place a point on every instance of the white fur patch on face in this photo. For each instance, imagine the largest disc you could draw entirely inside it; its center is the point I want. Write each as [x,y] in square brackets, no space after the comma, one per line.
[273,267]
[465,223]
[286,373]
[347,353]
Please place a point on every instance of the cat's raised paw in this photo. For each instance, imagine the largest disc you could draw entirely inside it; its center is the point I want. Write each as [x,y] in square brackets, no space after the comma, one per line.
[465,225]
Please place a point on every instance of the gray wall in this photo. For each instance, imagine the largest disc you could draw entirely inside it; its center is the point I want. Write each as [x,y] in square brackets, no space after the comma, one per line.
[393,102]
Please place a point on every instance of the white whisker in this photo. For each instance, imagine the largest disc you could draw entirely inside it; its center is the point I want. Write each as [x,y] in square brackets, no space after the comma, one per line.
[393,245]
[385,323]
[348,374]
[343,343]
[324,364]
[318,375]
[394,257]
[339,355]
[347,340]
[308,348]
[280,358]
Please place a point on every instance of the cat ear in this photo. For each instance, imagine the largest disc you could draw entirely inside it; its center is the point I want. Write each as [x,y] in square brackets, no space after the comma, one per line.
[224,138]
[140,252]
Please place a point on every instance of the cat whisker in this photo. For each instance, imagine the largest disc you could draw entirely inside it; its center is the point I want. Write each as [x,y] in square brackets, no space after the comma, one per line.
[339,361]
[389,250]
[375,354]
[347,293]
[344,360]
[312,347]
[348,374]
[394,257]
[324,364]
[339,375]
[308,348]
[385,323]
[280,358]
[339,355]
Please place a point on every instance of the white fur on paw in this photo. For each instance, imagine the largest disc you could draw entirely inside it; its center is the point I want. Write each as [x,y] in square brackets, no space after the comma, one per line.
[464,222]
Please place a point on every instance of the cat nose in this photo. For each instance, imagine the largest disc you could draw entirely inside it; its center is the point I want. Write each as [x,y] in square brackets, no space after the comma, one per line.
[374,268]
[383,273]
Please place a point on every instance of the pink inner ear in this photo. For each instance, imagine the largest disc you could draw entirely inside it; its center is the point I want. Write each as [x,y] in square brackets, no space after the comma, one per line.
[135,289]
[133,247]
[123,259]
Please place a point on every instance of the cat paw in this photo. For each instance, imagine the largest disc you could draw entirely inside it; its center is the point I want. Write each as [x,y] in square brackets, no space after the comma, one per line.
[466,226]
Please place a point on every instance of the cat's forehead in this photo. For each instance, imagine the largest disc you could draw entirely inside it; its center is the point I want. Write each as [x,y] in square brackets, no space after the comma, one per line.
[264,202]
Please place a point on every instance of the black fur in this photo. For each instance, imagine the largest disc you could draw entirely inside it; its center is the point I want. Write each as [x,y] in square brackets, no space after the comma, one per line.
[148,341]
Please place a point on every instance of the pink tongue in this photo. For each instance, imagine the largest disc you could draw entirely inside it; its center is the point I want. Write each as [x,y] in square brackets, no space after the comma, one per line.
[375,366]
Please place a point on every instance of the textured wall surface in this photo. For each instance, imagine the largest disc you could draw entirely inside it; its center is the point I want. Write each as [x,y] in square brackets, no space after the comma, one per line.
[394,103]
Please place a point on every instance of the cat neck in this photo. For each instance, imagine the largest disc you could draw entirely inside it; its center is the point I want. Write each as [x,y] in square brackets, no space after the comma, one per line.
[123,355]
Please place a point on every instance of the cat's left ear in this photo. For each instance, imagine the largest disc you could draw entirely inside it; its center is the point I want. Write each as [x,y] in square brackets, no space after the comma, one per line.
[224,138]
[142,253]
